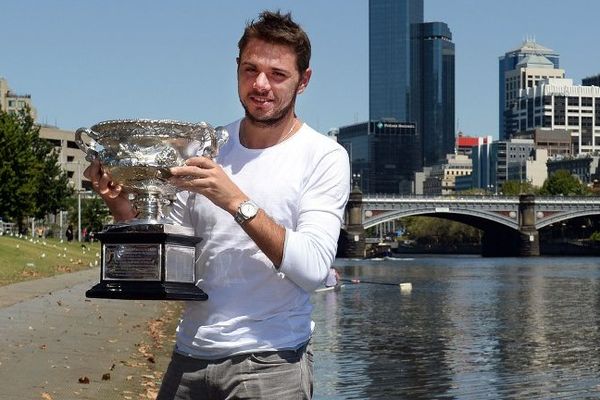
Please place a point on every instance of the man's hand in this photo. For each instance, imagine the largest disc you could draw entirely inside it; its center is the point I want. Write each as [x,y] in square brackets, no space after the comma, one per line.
[202,175]
[113,195]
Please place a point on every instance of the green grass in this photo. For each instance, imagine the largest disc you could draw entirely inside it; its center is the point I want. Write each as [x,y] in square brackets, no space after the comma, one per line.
[24,259]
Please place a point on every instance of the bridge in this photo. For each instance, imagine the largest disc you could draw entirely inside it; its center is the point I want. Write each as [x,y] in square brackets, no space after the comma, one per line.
[510,224]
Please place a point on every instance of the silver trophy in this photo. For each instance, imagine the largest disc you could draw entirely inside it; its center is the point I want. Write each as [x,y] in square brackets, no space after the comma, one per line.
[148,257]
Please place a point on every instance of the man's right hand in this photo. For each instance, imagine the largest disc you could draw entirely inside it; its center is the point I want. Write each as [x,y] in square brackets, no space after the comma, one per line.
[113,195]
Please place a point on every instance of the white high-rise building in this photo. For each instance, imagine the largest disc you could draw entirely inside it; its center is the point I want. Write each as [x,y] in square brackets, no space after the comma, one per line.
[558,104]
[12,102]
[70,157]
[508,64]
[528,73]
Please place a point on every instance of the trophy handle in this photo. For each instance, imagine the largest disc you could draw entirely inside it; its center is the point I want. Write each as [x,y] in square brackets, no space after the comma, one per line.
[222,136]
[217,139]
[90,153]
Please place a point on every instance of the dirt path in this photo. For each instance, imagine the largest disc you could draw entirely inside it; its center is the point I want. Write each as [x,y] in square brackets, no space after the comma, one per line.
[53,340]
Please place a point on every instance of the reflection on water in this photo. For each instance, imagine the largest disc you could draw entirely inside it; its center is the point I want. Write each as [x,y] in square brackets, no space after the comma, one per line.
[471,328]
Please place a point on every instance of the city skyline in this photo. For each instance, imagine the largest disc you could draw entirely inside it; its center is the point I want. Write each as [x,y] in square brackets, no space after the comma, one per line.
[87,62]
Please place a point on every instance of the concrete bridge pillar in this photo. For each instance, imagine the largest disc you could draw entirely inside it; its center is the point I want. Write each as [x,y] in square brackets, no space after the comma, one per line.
[499,241]
[529,240]
[352,237]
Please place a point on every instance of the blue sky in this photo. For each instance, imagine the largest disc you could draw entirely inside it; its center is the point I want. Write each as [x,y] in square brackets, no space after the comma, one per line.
[89,61]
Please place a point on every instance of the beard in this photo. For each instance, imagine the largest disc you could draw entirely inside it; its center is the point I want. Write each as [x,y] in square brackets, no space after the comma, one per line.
[274,119]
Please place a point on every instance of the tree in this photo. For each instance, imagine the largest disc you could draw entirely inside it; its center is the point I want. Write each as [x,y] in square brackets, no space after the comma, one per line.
[515,188]
[562,182]
[94,213]
[439,232]
[32,182]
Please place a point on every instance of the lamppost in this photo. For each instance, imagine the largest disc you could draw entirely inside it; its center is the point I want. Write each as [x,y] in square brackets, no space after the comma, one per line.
[80,192]
[356,181]
[86,194]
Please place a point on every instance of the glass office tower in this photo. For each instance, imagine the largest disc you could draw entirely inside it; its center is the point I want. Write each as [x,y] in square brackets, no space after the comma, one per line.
[411,84]
[384,154]
[434,114]
[392,61]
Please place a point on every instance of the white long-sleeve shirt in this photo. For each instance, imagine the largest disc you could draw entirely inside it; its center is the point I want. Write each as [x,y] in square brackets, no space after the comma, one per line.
[303,184]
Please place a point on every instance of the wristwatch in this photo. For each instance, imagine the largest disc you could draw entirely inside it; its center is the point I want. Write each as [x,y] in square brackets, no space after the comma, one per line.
[246,211]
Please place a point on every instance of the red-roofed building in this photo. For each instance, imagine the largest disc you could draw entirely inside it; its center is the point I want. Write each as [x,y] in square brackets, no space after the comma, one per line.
[464,144]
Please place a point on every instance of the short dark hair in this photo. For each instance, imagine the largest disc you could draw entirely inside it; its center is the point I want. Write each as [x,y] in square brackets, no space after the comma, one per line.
[278,28]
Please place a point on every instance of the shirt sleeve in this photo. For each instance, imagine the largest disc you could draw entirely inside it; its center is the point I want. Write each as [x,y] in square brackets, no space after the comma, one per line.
[310,248]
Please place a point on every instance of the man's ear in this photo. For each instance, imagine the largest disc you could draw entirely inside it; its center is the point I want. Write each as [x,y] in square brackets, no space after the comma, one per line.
[304,80]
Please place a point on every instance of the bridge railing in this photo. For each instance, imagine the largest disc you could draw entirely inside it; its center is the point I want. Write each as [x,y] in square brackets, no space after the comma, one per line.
[451,198]
[383,197]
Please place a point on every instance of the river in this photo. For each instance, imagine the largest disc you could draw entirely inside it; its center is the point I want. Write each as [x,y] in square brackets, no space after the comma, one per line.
[470,328]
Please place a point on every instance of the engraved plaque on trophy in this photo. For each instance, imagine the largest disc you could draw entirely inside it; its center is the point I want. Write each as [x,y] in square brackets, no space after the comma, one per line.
[149,257]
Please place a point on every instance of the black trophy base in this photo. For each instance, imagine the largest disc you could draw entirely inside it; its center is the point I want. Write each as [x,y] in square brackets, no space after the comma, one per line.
[125,290]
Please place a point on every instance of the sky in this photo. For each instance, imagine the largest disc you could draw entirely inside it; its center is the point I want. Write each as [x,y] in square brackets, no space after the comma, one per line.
[88,61]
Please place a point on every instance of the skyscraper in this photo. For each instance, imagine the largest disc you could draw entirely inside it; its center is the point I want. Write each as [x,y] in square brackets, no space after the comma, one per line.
[508,63]
[411,98]
[433,110]
[392,58]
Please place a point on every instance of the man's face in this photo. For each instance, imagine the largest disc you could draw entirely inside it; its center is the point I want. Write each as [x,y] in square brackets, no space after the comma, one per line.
[268,81]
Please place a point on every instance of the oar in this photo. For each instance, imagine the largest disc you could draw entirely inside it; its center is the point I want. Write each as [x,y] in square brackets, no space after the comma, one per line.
[403,286]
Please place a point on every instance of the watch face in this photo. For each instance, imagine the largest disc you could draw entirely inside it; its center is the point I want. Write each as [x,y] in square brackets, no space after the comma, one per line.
[248,210]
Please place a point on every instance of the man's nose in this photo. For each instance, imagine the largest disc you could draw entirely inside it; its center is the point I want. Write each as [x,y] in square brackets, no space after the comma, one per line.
[262,82]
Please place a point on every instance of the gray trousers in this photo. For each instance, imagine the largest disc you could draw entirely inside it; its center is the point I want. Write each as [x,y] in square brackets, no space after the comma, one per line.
[278,375]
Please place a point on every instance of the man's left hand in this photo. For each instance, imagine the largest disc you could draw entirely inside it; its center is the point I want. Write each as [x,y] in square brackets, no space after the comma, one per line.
[203,175]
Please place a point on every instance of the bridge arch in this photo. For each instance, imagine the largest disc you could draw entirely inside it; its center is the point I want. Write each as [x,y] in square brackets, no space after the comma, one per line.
[476,218]
[565,217]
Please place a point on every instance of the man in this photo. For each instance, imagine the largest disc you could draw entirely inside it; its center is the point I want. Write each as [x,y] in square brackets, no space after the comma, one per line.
[269,210]
[333,277]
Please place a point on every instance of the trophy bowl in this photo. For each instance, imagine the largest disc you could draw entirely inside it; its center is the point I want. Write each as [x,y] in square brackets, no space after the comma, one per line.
[138,153]
[148,257]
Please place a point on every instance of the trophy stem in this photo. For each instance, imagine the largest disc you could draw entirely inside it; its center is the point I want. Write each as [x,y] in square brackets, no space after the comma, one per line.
[149,206]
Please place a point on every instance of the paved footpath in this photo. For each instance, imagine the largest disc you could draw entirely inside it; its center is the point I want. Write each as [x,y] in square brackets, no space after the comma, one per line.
[51,335]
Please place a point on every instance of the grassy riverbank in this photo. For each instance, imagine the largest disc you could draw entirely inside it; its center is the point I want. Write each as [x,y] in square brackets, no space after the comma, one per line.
[28,258]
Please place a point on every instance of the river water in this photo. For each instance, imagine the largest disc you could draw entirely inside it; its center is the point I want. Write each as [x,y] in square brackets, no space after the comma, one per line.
[470,328]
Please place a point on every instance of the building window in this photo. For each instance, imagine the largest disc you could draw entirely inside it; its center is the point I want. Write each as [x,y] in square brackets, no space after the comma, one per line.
[547,121]
[586,101]
[573,121]
[573,101]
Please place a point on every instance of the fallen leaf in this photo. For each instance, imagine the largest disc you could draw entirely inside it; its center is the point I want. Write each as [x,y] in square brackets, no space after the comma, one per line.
[46,396]
[106,377]
[84,379]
